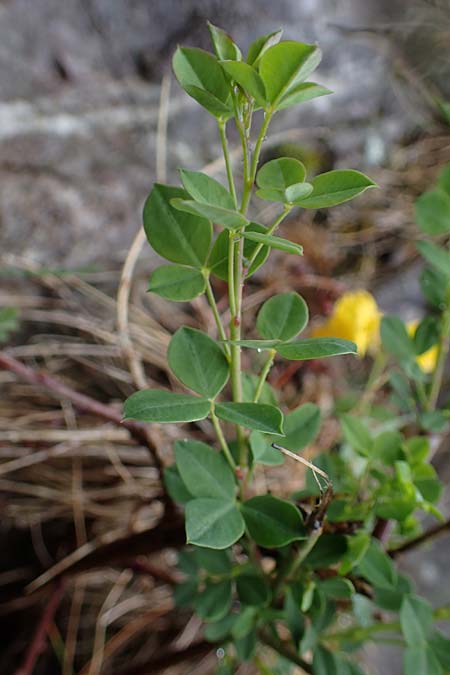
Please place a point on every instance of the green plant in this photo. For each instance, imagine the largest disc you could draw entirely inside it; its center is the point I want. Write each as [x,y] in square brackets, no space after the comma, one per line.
[260,569]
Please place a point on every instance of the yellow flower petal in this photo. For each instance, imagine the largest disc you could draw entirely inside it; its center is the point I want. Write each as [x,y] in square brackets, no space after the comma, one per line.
[427,360]
[355,317]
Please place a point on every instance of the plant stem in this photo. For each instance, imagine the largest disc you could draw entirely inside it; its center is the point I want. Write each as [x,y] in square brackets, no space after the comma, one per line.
[215,311]
[226,155]
[254,165]
[443,349]
[295,562]
[285,651]
[428,535]
[264,373]
[270,231]
[375,380]
[222,441]
[362,633]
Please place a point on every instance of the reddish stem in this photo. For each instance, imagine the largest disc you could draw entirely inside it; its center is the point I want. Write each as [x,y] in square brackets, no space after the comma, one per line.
[38,643]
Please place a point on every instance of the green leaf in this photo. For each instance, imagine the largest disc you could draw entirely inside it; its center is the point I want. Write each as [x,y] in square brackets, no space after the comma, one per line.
[273,522]
[433,212]
[357,547]
[294,617]
[218,259]
[177,283]
[356,434]
[296,193]
[395,338]
[214,602]
[274,242]
[272,195]
[259,345]
[377,567]
[204,471]
[301,426]
[198,361]
[395,499]
[417,449]
[206,190]
[329,550]
[261,45]
[335,187]
[228,218]
[174,485]
[223,44]
[258,416]
[282,317]
[213,523]
[152,405]
[245,647]
[8,322]
[253,590]
[426,334]
[185,593]
[201,76]
[214,562]
[210,102]
[316,348]
[175,235]
[284,66]
[416,619]
[426,481]
[247,78]
[245,622]
[324,662]
[438,257]
[387,447]
[249,386]
[441,647]
[337,588]
[433,285]
[262,452]
[302,93]
[219,630]
[187,563]
[444,179]
[281,173]
[420,660]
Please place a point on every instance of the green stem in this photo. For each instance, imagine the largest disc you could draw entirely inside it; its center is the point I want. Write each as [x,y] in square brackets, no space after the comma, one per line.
[443,349]
[254,165]
[263,376]
[362,633]
[221,438]
[231,278]
[295,562]
[284,650]
[226,155]
[270,231]
[215,311]
[421,393]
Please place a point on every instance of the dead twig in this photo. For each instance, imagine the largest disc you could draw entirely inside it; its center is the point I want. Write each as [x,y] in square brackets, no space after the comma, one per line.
[37,644]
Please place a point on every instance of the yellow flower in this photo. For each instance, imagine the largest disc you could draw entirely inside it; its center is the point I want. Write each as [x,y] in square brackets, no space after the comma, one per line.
[427,360]
[355,317]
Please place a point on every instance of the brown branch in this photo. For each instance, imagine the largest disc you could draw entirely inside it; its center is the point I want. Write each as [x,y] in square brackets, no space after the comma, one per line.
[37,644]
[429,535]
[136,430]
